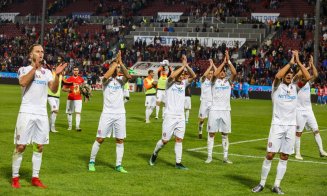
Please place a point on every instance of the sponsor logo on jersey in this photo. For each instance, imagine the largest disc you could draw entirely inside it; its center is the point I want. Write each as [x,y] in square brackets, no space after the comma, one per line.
[286,97]
[41,82]
[220,88]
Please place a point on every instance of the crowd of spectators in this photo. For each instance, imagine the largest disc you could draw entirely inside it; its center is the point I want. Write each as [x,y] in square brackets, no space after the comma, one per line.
[63,42]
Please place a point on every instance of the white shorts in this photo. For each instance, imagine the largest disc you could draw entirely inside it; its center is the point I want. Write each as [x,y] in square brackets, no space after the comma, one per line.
[73,106]
[173,125]
[32,128]
[54,103]
[204,109]
[219,121]
[306,118]
[112,124]
[281,139]
[150,101]
[161,96]
[187,103]
[126,93]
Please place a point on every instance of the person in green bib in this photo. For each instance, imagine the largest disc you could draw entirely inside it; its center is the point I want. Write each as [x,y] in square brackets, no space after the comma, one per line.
[161,87]
[54,102]
[150,87]
[126,92]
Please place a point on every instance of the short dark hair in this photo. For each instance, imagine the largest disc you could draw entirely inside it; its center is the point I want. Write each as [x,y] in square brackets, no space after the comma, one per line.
[30,49]
[150,71]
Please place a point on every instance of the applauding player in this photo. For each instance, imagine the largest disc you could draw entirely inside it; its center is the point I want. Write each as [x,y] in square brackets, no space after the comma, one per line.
[113,118]
[174,121]
[283,126]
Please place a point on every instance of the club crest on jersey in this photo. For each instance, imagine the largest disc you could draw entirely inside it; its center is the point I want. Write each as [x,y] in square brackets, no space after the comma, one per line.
[99,131]
[17,137]
[42,72]
[270,144]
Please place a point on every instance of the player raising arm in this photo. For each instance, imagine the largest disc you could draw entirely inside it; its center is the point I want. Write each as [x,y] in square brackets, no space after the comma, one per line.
[206,95]
[174,121]
[283,126]
[113,116]
[304,113]
[219,115]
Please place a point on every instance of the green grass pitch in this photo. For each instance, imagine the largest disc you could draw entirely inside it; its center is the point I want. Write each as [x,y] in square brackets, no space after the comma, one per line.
[65,159]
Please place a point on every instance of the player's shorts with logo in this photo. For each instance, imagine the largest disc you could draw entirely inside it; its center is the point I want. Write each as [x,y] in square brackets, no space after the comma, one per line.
[306,118]
[32,128]
[126,93]
[219,121]
[112,124]
[187,104]
[161,95]
[173,125]
[73,106]
[204,109]
[150,100]
[54,103]
[281,139]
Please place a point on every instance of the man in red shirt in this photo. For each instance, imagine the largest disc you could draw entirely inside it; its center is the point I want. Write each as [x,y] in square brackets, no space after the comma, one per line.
[74,101]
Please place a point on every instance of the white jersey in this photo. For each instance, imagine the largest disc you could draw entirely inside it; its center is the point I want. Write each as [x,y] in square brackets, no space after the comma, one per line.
[304,98]
[175,97]
[34,96]
[221,90]
[206,94]
[113,96]
[284,104]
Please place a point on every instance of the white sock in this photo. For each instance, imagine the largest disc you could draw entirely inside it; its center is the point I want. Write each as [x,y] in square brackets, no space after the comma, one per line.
[210,143]
[187,114]
[94,151]
[158,147]
[157,111]
[70,120]
[225,144]
[119,153]
[178,151]
[148,112]
[78,120]
[53,119]
[200,127]
[319,142]
[265,171]
[163,111]
[297,145]
[281,169]
[16,162]
[37,161]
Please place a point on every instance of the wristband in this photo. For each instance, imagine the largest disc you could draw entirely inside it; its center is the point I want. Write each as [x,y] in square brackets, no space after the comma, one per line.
[230,62]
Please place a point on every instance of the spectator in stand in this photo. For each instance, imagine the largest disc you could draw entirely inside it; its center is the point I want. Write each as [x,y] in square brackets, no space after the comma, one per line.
[320,95]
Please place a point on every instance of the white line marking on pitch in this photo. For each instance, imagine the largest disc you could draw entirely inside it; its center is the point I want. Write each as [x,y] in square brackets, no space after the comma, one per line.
[241,142]
[262,157]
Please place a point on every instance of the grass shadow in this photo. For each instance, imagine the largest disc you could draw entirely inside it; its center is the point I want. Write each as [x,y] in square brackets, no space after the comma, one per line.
[25,174]
[146,157]
[98,162]
[249,182]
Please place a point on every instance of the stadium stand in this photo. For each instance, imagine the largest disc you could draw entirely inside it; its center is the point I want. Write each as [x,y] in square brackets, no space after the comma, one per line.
[90,45]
